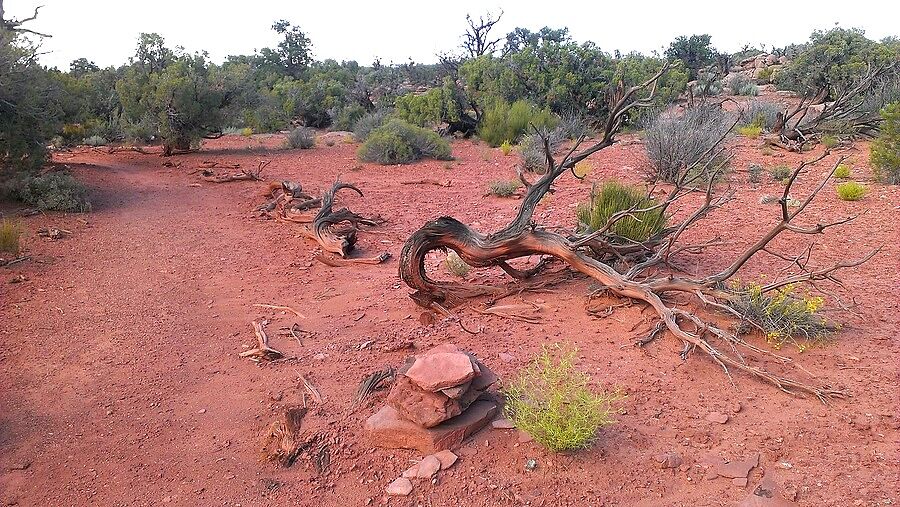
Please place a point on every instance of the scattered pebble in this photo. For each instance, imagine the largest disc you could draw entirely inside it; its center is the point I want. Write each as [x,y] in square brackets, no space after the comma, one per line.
[530,465]
[717,417]
[503,424]
[400,487]
[428,467]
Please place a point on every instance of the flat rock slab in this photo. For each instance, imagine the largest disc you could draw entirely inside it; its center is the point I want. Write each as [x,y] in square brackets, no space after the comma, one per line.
[387,429]
[738,468]
[441,370]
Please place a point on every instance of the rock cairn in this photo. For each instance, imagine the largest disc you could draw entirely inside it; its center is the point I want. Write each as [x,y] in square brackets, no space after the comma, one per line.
[439,398]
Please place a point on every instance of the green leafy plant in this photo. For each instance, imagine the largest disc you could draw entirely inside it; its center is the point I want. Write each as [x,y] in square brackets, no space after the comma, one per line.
[783,315]
[302,138]
[552,401]
[246,131]
[55,191]
[885,149]
[503,188]
[507,122]
[612,197]
[456,265]
[842,171]
[398,142]
[751,131]
[506,147]
[781,172]
[829,141]
[10,232]
[367,123]
[851,191]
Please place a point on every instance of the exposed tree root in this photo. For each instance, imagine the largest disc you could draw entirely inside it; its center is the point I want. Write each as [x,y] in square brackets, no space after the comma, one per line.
[262,352]
[244,175]
[642,279]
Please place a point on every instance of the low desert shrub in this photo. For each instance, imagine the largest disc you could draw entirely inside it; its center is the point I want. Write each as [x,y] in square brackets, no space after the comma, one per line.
[508,122]
[612,197]
[782,314]
[781,172]
[552,401]
[505,148]
[760,113]
[572,126]
[676,144]
[10,232]
[504,188]
[56,191]
[456,265]
[751,131]
[739,84]
[885,149]
[531,150]
[829,141]
[851,191]
[302,138]
[842,171]
[369,122]
[398,142]
[754,173]
[246,131]
[95,141]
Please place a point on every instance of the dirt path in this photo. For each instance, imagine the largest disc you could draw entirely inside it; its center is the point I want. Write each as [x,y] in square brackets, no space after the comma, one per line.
[122,385]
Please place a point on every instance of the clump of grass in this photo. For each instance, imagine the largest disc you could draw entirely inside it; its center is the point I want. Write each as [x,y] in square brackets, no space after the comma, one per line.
[302,138]
[767,151]
[551,401]
[851,191]
[456,265]
[830,141]
[754,172]
[506,148]
[842,172]
[246,131]
[782,314]
[781,172]
[95,141]
[751,131]
[612,197]
[582,169]
[10,232]
[503,188]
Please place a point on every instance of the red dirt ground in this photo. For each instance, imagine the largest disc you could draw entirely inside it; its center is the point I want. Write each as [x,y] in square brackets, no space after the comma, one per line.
[122,383]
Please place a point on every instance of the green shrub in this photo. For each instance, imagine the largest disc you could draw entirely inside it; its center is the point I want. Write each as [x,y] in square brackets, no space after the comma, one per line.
[505,148]
[765,75]
[503,188]
[398,142]
[842,171]
[505,122]
[612,197]
[830,141]
[676,144]
[551,401]
[781,314]
[302,138]
[851,191]
[754,171]
[56,191]
[781,172]
[885,149]
[737,83]
[10,232]
[760,113]
[367,123]
[246,131]
[456,265]
[751,131]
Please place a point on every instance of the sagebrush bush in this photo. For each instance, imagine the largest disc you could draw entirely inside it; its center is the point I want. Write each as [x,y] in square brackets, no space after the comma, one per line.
[760,113]
[55,191]
[885,149]
[829,141]
[369,122]
[95,141]
[10,233]
[851,191]
[675,144]
[508,122]
[842,171]
[781,172]
[456,265]
[782,314]
[737,83]
[612,197]
[572,126]
[302,138]
[531,149]
[552,401]
[751,131]
[754,171]
[504,188]
[398,142]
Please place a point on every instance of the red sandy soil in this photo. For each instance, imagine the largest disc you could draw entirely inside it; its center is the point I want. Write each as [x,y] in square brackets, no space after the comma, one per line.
[122,385]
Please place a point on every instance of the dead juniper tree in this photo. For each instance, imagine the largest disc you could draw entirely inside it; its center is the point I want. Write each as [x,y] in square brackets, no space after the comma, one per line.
[477,39]
[644,271]
[15,25]
[809,120]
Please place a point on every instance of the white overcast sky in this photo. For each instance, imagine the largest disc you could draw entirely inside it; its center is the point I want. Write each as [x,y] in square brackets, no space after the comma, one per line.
[106,31]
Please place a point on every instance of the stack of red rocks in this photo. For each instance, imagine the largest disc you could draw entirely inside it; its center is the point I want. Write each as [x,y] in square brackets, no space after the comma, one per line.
[440,398]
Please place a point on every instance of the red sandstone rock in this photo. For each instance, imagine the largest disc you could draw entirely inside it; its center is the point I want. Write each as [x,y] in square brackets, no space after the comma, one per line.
[421,407]
[387,429]
[441,370]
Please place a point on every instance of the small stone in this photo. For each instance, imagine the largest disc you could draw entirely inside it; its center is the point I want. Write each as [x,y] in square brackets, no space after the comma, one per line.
[446,458]
[503,424]
[711,475]
[411,472]
[320,356]
[669,460]
[506,357]
[201,411]
[530,465]
[740,482]
[736,407]
[428,467]
[738,469]
[524,437]
[684,468]
[717,417]
[400,487]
